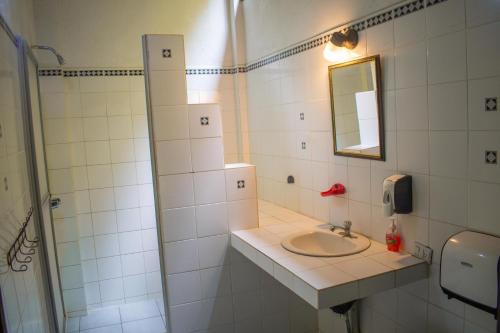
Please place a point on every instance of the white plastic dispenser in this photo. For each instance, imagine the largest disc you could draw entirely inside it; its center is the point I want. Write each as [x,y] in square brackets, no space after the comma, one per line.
[397,195]
[470,265]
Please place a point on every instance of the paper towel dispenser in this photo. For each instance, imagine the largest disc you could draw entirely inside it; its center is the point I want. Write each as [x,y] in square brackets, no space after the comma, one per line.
[470,264]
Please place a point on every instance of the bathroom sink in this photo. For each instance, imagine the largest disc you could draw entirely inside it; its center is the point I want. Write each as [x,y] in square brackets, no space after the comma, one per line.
[325,243]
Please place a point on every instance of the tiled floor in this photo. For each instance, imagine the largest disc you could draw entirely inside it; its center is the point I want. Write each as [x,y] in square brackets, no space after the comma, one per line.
[140,317]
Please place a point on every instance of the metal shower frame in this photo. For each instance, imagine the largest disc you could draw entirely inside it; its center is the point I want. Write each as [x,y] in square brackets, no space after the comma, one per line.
[24,55]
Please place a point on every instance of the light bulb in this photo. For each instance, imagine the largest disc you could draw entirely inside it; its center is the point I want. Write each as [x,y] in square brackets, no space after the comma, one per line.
[336,54]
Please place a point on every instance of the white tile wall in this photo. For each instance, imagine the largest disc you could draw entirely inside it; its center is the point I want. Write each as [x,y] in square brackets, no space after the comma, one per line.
[207,154]
[438,68]
[100,176]
[124,174]
[181,149]
[171,122]
[126,197]
[157,57]
[241,183]
[184,287]
[181,256]
[204,121]
[102,199]
[168,87]
[448,106]
[482,64]
[213,251]
[111,290]
[211,219]
[104,222]
[209,187]
[242,214]
[180,223]
[128,219]
[95,128]
[176,191]
[120,127]
[122,151]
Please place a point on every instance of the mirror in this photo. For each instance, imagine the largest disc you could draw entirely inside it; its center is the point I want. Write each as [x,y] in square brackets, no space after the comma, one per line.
[358,129]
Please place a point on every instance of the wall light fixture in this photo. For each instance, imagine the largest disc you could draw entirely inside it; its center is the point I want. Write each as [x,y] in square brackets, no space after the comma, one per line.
[347,39]
[340,46]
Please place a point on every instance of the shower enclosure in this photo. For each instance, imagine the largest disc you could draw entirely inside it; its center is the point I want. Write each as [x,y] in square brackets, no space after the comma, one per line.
[99,167]
[96,141]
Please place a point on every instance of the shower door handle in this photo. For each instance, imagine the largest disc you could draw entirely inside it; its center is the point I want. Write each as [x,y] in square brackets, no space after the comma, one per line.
[55,203]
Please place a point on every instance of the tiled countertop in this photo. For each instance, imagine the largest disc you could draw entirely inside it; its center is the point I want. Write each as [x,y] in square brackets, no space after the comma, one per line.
[322,282]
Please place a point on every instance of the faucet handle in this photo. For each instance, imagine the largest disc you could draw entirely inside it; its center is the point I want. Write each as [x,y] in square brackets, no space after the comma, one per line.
[347,224]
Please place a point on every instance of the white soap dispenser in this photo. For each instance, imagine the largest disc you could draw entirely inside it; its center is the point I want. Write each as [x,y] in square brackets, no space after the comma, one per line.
[396,199]
[397,195]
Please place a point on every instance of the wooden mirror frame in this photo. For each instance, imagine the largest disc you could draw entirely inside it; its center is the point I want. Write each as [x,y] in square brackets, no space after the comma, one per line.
[380,111]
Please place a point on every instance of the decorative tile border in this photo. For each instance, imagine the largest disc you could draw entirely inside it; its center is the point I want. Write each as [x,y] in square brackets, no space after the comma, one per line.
[91,72]
[408,8]
[318,41]
[116,72]
[70,73]
[358,26]
[379,18]
[208,71]
[136,72]
[104,72]
[50,72]
[433,2]
[133,72]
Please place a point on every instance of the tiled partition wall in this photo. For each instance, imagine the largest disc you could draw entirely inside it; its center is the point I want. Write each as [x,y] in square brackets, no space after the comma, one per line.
[98,159]
[441,79]
[210,286]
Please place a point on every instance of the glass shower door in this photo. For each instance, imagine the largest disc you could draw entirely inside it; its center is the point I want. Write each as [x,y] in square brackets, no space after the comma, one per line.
[25,303]
[37,160]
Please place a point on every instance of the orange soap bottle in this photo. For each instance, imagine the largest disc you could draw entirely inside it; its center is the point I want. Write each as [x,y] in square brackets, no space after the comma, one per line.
[392,237]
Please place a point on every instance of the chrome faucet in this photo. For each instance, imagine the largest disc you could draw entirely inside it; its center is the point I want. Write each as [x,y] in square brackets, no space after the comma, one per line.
[346,227]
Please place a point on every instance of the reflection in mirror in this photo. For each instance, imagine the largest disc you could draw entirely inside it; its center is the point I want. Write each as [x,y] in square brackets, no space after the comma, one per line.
[357,108]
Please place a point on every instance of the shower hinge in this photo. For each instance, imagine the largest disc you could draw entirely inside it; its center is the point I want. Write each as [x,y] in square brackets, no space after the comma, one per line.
[55,203]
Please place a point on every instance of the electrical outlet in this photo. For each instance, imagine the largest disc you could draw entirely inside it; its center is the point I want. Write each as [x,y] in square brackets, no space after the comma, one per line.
[423,252]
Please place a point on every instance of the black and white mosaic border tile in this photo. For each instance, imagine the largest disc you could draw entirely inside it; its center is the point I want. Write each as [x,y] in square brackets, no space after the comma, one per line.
[208,71]
[433,2]
[379,18]
[70,73]
[50,72]
[133,72]
[408,8]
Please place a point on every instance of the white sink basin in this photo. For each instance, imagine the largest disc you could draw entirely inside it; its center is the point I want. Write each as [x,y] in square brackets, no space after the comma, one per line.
[325,244]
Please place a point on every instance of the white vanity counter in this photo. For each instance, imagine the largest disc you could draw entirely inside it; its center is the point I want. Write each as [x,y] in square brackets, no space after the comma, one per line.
[322,281]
